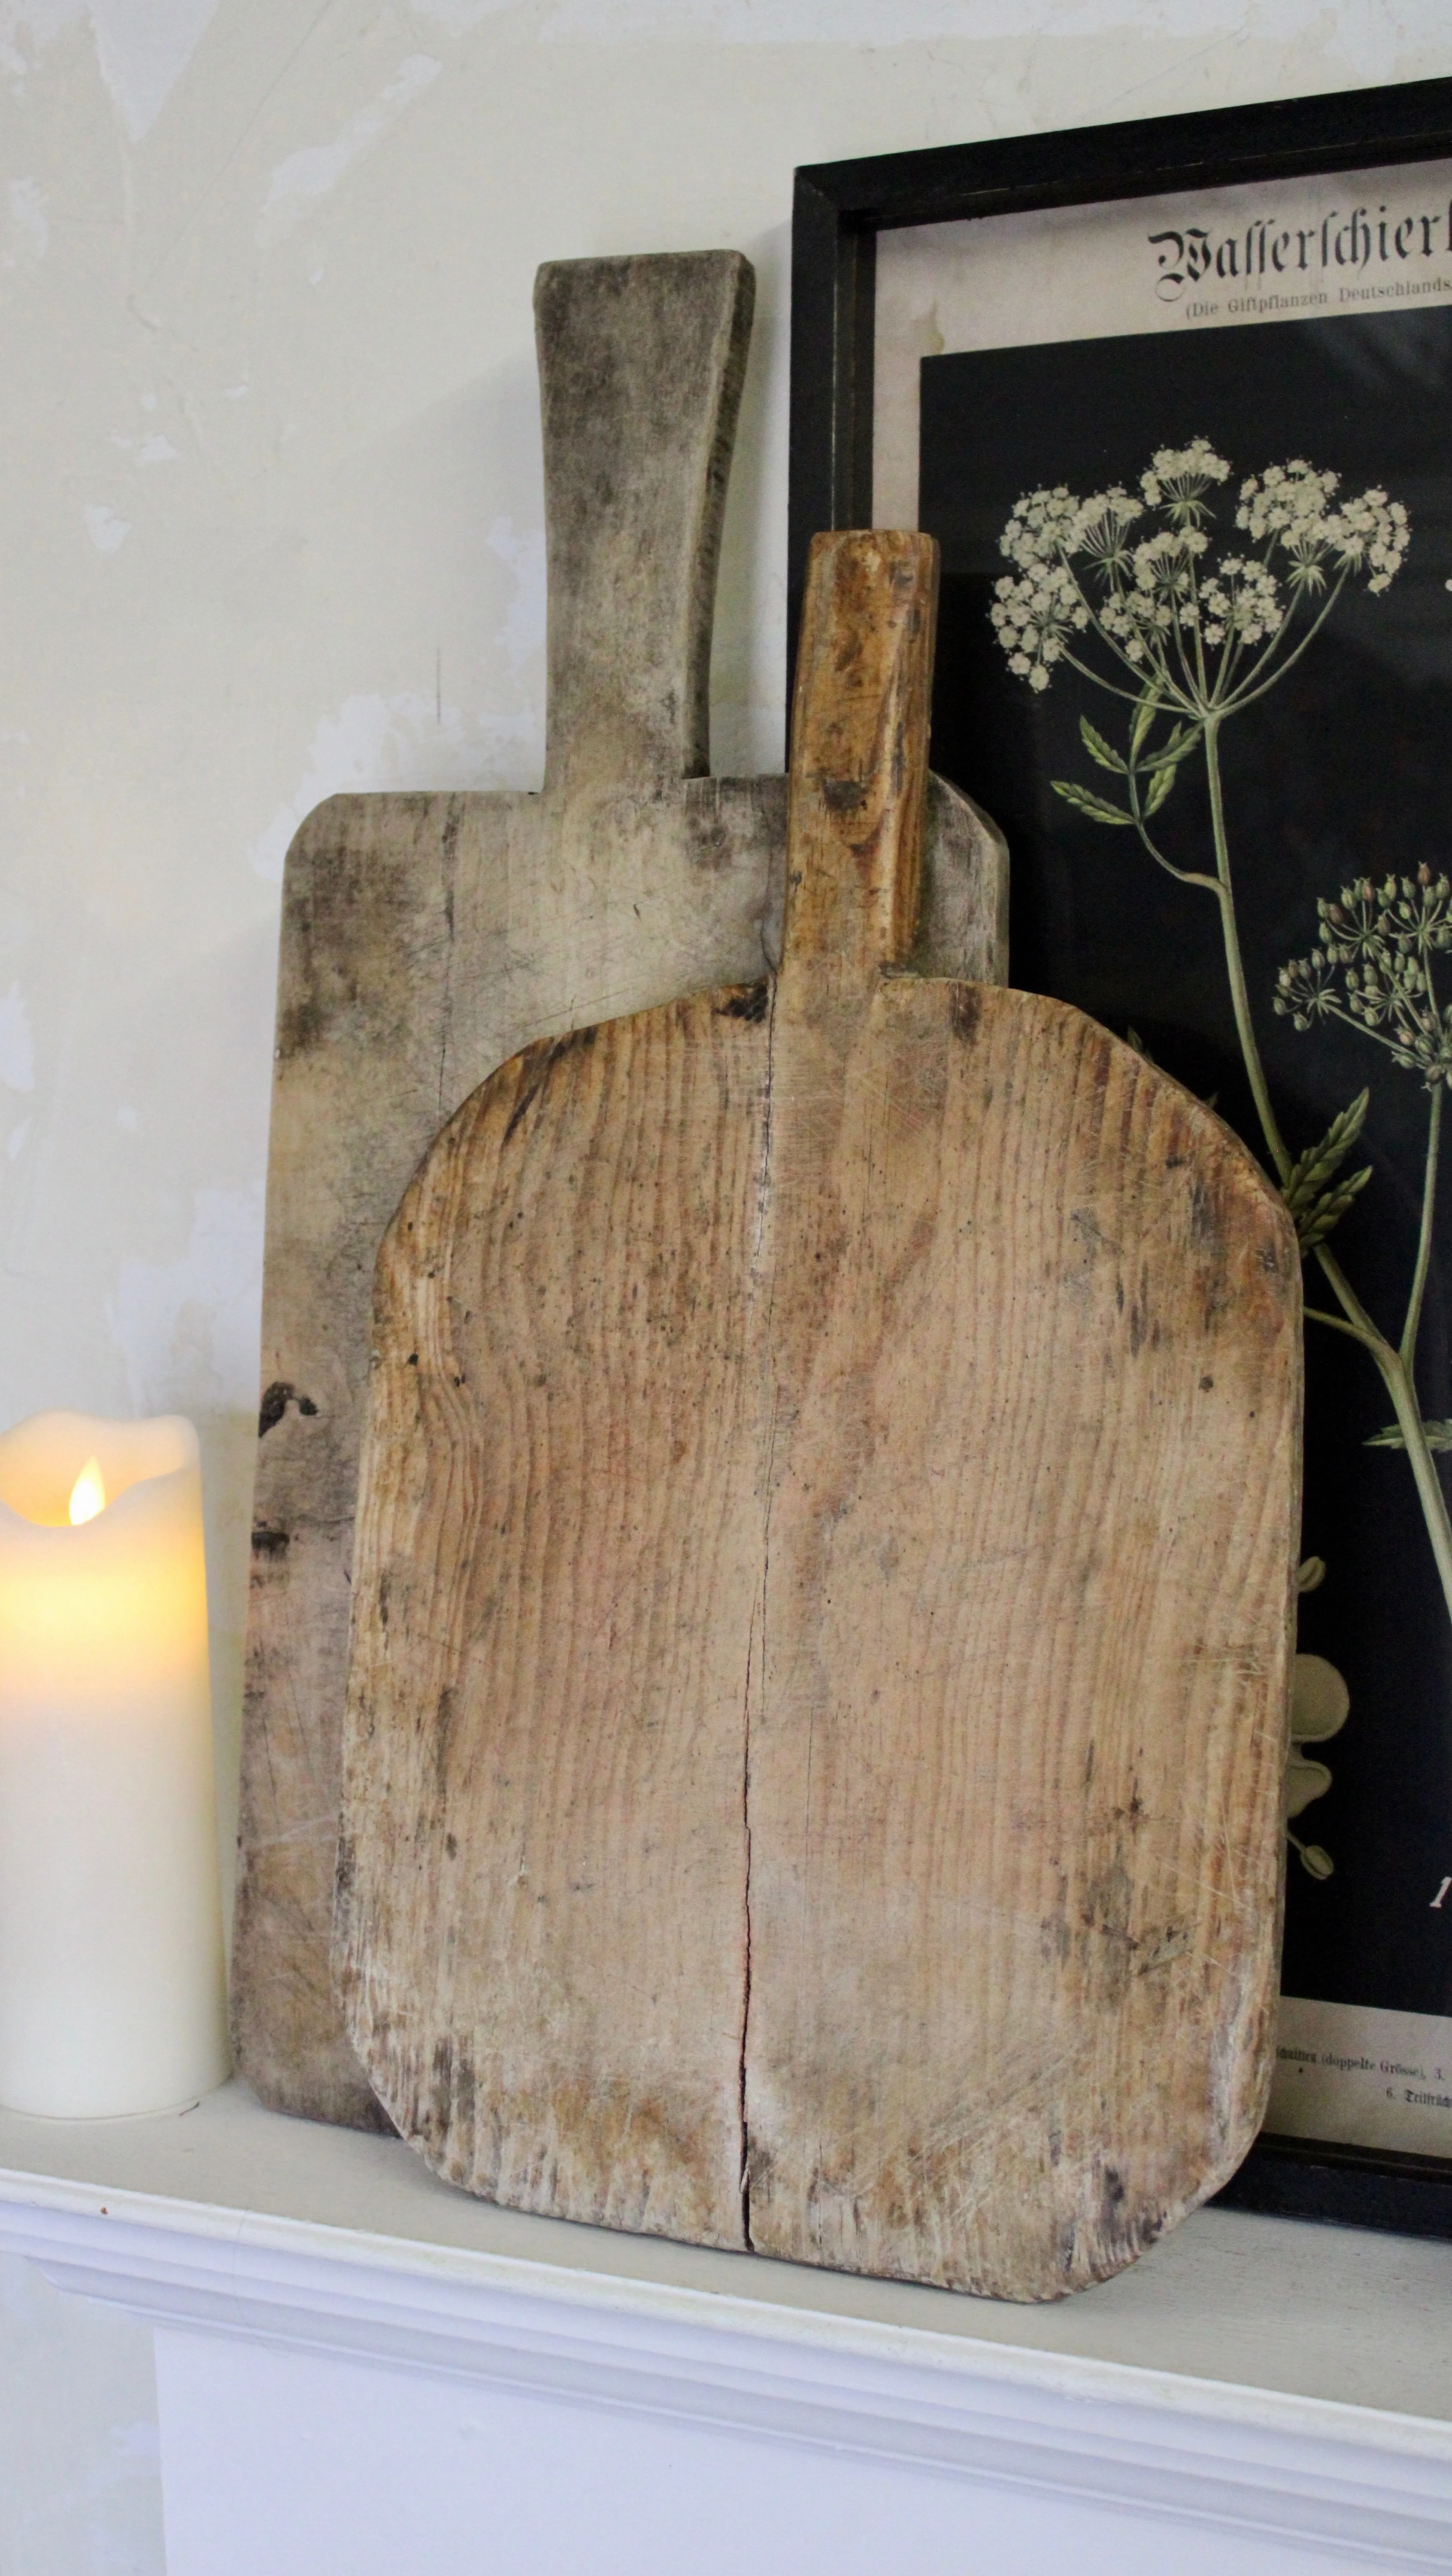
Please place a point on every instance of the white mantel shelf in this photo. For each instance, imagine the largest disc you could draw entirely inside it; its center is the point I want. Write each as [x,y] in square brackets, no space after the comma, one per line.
[360,2368]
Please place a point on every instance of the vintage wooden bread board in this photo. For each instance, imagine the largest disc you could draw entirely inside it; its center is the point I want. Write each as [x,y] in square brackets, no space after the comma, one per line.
[426,938]
[817,1708]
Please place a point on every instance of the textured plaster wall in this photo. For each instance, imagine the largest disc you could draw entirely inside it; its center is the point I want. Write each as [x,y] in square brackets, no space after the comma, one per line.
[270,494]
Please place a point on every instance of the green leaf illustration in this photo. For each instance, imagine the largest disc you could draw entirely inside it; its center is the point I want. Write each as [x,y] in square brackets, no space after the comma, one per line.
[1304,1781]
[1098,749]
[1329,1209]
[1097,808]
[1160,784]
[1439,1436]
[1320,1701]
[1144,716]
[1315,1207]
[1170,754]
[1310,1175]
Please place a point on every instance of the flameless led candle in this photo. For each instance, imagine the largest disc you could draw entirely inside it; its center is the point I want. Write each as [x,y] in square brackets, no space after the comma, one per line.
[111,1977]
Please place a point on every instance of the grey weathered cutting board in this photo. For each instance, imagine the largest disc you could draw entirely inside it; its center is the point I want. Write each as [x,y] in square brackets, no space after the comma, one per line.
[427,937]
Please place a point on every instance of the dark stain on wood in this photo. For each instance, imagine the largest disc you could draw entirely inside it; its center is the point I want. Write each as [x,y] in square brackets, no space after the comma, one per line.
[752,1004]
[275,1401]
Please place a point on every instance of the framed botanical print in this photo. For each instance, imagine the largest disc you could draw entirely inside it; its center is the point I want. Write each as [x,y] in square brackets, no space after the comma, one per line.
[1175,398]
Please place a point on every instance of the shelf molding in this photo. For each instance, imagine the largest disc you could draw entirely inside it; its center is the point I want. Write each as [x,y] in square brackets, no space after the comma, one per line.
[1357,2486]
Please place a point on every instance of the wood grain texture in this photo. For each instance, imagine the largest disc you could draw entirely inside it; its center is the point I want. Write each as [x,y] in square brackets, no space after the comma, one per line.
[1016,1754]
[1016,1760]
[425,938]
[822,1622]
[561,1413]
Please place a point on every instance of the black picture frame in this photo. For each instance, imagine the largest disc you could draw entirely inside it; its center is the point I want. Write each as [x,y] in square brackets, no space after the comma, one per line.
[839,209]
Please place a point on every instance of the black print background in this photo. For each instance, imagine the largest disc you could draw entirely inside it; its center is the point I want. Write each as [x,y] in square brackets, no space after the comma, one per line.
[1344,769]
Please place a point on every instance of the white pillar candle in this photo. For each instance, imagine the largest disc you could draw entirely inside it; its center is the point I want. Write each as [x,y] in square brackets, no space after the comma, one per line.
[111,1976]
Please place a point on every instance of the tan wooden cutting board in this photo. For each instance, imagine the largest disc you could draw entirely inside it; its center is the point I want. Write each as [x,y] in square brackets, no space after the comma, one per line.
[822,1626]
[424,939]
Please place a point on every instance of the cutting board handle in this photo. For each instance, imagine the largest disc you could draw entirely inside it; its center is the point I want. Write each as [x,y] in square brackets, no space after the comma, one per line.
[859,768]
[640,369]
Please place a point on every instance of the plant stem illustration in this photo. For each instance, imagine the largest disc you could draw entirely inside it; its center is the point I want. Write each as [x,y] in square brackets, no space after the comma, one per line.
[1126,591]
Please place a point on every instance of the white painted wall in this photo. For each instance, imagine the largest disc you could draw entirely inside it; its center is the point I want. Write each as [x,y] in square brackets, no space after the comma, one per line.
[271,525]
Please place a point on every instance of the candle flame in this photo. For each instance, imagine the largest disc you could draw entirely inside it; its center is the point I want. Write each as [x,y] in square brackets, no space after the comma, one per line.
[88,1493]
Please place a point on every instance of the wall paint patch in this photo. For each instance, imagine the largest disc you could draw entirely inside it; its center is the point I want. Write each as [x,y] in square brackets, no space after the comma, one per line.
[105,529]
[300,183]
[523,632]
[143,47]
[458,16]
[405,741]
[28,218]
[1358,31]
[136,2441]
[17,1047]
[27,25]
[193,1327]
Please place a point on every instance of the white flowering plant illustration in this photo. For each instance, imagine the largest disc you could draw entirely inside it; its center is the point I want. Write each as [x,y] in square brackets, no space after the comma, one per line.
[1135,593]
